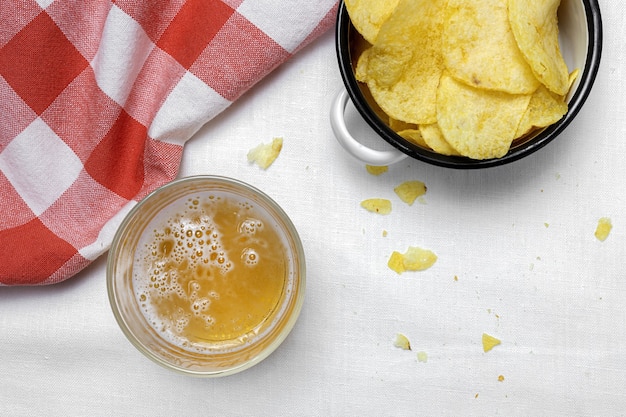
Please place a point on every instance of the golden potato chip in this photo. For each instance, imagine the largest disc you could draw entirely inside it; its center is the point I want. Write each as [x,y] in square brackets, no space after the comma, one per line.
[479,124]
[489,342]
[361,70]
[534,24]
[603,229]
[405,63]
[414,136]
[377,205]
[408,191]
[414,259]
[418,259]
[434,139]
[544,109]
[376,170]
[402,342]
[399,125]
[266,153]
[396,262]
[479,47]
[360,73]
[573,76]
[368,16]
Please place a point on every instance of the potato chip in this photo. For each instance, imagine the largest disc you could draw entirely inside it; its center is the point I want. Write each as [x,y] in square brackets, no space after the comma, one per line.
[266,153]
[396,262]
[414,259]
[603,229]
[376,169]
[544,109]
[399,125]
[479,47]
[573,76]
[479,124]
[408,191]
[405,63]
[534,24]
[434,139]
[360,72]
[402,342]
[377,205]
[368,16]
[361,76]
[418,259]
[414,136]
[489,342]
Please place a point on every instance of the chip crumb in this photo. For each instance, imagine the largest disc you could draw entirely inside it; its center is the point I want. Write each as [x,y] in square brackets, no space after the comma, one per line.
[501,378]
[385,233]
[414,259]
[603,229]
[546,225]
[376,170]
[408,191]
[377,205]
[266,153]
[402,342]
[476,396]
[422,356]
[489,342]
[456,277]
[396,262]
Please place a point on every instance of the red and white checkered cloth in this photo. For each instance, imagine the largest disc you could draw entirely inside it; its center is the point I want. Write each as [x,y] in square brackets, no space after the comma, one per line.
[97,99]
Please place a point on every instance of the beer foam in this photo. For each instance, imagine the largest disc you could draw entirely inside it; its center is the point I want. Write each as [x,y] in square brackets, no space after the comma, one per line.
[180,251]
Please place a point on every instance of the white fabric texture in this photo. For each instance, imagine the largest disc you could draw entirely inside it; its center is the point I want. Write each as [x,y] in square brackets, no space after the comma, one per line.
[519,239]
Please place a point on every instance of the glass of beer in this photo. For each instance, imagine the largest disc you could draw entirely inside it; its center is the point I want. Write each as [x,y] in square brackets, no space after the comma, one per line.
[206,276]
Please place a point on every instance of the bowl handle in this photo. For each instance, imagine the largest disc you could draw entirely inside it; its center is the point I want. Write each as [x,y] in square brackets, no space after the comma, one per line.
[352,146]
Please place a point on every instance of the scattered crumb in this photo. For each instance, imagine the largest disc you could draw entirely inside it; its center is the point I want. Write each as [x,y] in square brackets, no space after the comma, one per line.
[376,170]
[414,259]
[385,233]
[422,356]
[266,153]
[603,229]
[501,378]
[546,225]
[456,278]
[402,342]
[489,342]
[377,205]
[408,191]
[476,396]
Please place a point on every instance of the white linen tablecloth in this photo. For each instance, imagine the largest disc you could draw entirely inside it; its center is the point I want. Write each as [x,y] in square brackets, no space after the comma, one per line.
[519,239]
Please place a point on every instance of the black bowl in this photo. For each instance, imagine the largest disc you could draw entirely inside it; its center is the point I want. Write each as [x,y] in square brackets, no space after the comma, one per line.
[580,32]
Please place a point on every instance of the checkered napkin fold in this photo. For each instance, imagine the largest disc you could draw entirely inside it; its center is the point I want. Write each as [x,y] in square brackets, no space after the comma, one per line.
[97,99]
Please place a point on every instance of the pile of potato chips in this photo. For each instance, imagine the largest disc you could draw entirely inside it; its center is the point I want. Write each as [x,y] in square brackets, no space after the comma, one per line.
[463,77]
